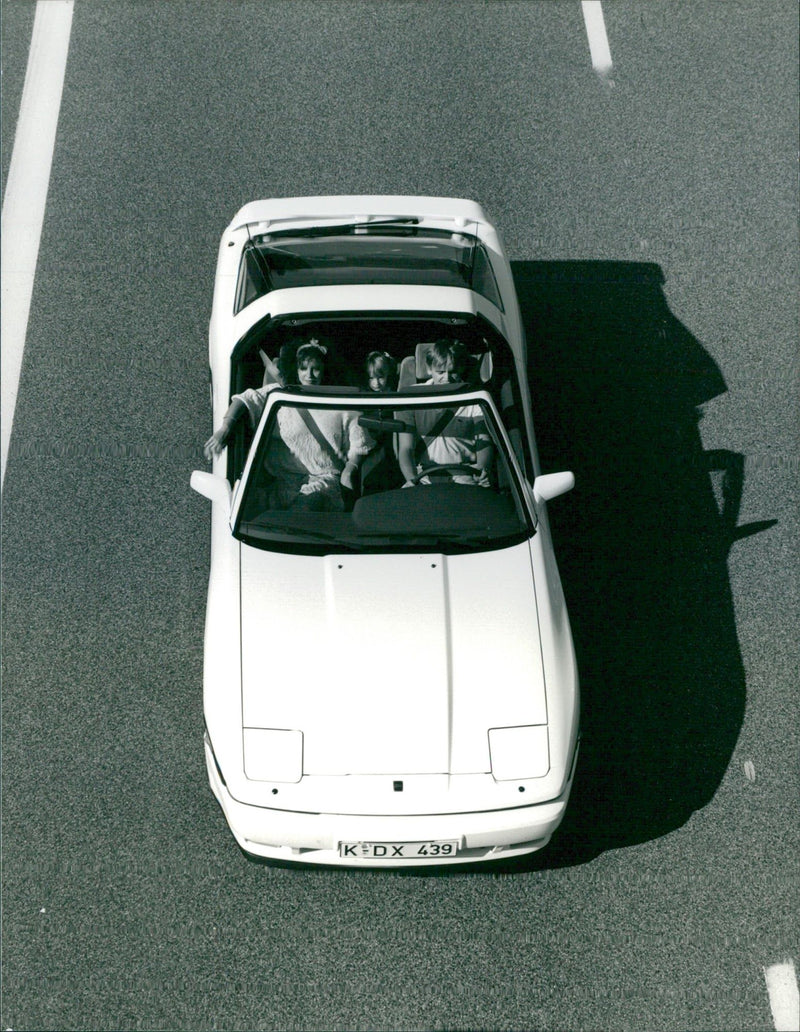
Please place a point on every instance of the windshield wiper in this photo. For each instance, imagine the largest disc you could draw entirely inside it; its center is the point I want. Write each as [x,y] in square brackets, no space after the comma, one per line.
[263,530]
[344,227]
[411,537]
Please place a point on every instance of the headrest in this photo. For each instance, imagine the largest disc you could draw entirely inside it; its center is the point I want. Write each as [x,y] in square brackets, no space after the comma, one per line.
[407,375]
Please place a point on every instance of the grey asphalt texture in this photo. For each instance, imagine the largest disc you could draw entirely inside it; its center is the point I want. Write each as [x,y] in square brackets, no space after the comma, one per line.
[652,225]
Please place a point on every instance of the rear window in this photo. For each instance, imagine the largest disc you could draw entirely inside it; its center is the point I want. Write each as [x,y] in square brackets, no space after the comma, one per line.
[354,255]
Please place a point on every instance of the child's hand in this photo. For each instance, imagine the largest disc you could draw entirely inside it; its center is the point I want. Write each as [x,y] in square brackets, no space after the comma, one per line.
[215,444]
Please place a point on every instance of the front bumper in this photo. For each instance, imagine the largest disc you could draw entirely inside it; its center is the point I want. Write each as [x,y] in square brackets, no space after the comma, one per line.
[314,837]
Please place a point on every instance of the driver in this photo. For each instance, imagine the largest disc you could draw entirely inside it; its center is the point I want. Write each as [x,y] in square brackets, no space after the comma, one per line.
[446,437]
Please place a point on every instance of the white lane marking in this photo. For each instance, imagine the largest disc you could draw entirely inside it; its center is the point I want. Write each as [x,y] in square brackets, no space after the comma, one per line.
[26,193]
[596,31]
[784,996]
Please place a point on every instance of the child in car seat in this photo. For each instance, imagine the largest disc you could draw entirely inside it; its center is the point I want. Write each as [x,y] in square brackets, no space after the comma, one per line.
[381,372]
[380,470]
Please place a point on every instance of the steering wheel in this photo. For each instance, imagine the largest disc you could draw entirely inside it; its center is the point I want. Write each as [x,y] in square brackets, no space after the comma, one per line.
[460,466]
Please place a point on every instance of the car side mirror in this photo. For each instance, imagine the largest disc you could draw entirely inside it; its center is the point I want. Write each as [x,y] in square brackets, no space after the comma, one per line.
[551,485]
[211,486]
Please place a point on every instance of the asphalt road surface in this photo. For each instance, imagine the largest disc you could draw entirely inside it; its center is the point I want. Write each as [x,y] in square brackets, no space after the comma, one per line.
[651,215]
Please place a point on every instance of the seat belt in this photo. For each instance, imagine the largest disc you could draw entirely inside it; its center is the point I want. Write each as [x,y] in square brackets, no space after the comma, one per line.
[435,431]
[320,438]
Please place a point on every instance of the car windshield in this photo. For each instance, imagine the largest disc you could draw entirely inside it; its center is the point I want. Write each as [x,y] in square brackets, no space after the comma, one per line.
[382,254]
[410,477]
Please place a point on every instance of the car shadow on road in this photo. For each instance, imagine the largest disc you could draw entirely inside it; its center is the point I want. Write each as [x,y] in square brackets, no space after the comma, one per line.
[617,384]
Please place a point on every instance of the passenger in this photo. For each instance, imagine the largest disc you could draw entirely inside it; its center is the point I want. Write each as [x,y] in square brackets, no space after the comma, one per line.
[314,454]
[380,471]
[381,372]
[446,437]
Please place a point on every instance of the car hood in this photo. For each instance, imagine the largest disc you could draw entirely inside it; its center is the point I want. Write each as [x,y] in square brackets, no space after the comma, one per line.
[391,664]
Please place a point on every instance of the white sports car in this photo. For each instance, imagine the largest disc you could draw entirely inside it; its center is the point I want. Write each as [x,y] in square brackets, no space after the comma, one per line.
[390,677]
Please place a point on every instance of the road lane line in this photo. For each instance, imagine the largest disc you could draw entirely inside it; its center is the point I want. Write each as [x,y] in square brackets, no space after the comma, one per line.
[784,996]
[598,40]
[26,193]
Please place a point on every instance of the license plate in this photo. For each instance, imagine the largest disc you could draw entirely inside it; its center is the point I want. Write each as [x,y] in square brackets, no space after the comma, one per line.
[398,850]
